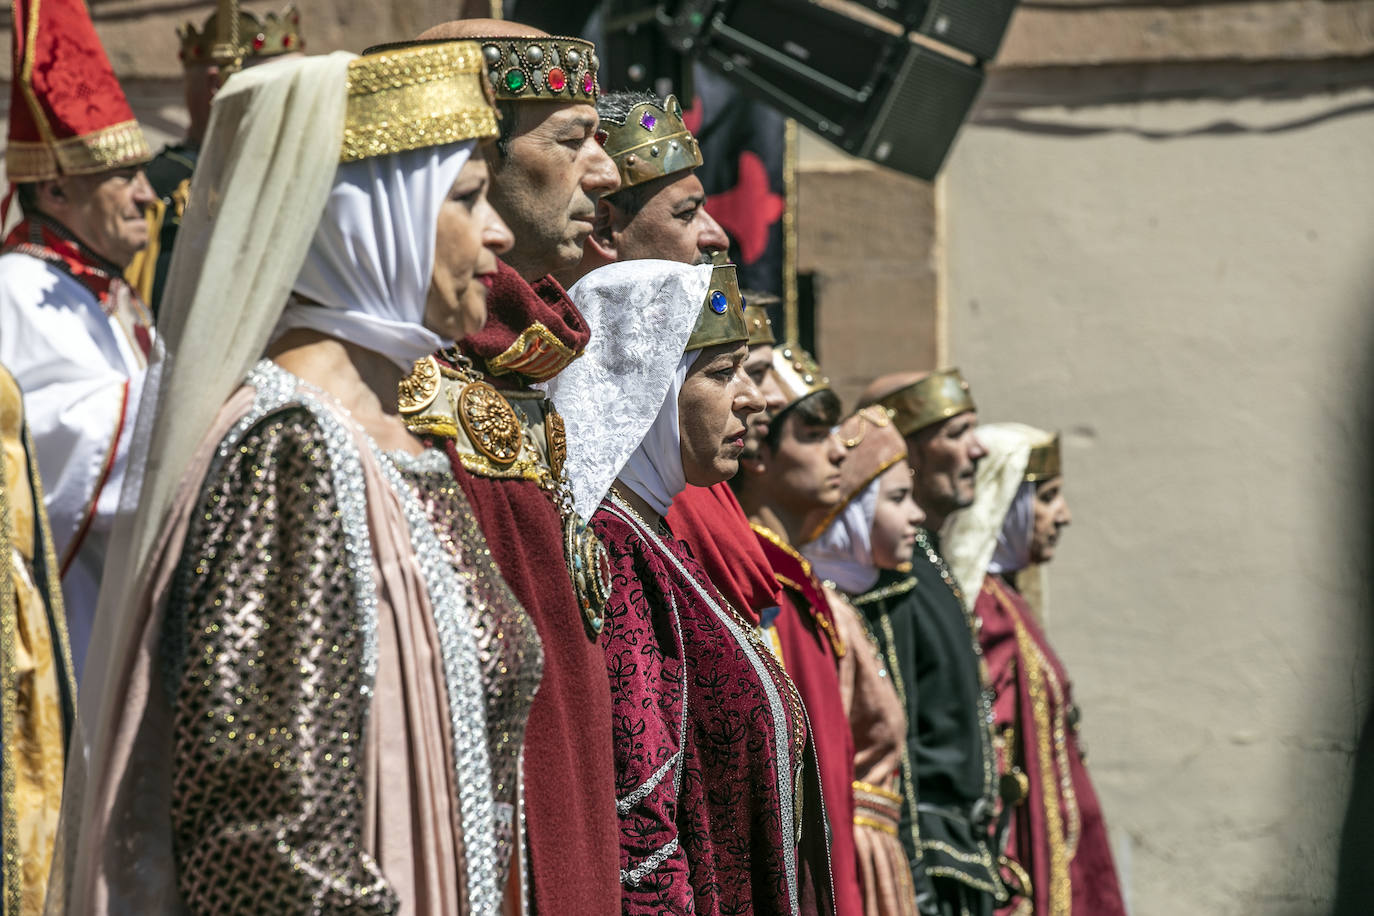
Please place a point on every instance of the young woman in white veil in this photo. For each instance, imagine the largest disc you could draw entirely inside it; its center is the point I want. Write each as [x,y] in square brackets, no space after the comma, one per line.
[313,684]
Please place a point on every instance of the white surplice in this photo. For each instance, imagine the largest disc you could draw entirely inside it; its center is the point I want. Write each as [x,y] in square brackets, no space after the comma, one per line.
[81,373]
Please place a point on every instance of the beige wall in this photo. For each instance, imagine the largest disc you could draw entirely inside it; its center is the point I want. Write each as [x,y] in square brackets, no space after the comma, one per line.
[1192,307]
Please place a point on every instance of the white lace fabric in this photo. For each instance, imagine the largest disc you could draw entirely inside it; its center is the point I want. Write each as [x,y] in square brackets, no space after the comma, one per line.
[641,314]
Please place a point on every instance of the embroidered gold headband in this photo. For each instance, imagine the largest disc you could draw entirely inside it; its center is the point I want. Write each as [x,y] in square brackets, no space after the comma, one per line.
[416,97]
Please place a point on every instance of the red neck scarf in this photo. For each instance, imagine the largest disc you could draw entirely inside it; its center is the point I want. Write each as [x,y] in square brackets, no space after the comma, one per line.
[513,308]
[715,527]
[41,237]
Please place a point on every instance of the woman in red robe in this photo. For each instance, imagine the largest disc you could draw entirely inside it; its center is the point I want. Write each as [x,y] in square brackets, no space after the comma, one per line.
[716,785]
[1057,848]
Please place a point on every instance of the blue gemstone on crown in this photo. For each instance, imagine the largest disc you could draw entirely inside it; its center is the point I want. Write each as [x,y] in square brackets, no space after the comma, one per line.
[718,302]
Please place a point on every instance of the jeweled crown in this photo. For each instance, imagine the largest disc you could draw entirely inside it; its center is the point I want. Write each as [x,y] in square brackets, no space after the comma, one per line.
[1045,460]
[543,68]
[652,141]
[936,397]
[276,33]
[756,317]
[721,319]
[415,97]
[797,373]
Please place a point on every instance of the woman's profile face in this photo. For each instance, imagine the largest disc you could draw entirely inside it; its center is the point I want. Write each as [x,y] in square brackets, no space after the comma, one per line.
[713,407]
[467,238]
[895,519]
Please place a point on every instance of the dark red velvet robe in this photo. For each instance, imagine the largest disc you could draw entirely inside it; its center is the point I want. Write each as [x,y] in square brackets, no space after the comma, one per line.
[1058,835]
[811,647]
[569,781]
[708,804]
[712,522]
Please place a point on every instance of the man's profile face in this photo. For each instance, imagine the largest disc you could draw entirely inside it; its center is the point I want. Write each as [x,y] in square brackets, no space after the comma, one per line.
[672,224]
[104,210]
[759,367]
[547,186]
[947,455]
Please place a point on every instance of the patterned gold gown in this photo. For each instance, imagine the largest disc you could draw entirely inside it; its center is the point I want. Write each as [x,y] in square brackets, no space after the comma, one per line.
[343,737]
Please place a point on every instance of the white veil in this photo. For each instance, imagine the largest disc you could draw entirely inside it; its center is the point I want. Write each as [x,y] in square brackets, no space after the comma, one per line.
[970,536]
[235,261]
[641,314]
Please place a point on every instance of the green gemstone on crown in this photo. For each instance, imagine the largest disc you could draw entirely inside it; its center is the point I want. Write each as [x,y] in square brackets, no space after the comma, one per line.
[515,80]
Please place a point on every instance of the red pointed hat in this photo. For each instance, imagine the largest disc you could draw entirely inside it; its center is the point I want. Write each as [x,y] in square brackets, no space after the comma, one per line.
[68,114]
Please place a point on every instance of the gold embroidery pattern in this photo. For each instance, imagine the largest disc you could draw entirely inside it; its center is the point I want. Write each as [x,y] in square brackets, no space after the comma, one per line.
[9,710]
[418,390]
[490,423]
[1052,754]
[537,353]
[1060,888]
[557,435]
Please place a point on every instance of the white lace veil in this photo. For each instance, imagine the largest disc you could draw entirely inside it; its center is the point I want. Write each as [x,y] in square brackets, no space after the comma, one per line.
[641,314]
[372,257]
[970,536]
[259,188]
[843,553]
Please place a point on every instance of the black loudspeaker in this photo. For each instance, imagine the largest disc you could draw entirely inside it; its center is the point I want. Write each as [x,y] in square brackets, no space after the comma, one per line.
[915,124]
[973,26]
[873,92]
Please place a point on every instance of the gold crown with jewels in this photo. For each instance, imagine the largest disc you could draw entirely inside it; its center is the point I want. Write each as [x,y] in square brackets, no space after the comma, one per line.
[276,33]
[721,319]
[546,68]
[651,142]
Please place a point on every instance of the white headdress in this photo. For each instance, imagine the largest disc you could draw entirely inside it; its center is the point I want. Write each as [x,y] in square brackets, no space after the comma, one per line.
[619,400]
[996,529]
[843,552]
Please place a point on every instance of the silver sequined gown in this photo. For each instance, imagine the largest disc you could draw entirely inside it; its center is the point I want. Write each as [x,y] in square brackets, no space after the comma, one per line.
[269,673]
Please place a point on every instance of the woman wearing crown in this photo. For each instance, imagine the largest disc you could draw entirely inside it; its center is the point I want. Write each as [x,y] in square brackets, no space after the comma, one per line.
[716,785]
[317,682]
[1057,850]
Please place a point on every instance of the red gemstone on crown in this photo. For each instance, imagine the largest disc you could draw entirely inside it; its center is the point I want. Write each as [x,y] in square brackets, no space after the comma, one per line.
[258,41]
[588,84]
[557,79]
[287,41]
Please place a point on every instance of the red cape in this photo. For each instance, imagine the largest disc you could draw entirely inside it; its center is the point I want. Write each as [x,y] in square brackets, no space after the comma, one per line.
[569,767]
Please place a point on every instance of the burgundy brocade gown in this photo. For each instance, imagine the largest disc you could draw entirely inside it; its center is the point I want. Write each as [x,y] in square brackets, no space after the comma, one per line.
[1058,834]
[708,796]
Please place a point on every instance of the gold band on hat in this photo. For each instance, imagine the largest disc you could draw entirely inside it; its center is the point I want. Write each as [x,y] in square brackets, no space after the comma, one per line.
[936,397]
[756,316]
[797,373]
[542,68]
[416,97]
[1045,460]
[652,141]
[721,319]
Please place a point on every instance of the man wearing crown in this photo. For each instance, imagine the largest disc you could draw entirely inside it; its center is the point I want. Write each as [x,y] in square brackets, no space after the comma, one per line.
[660,209]
[929,639]
[208,57]
[75,336]
[507,445]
